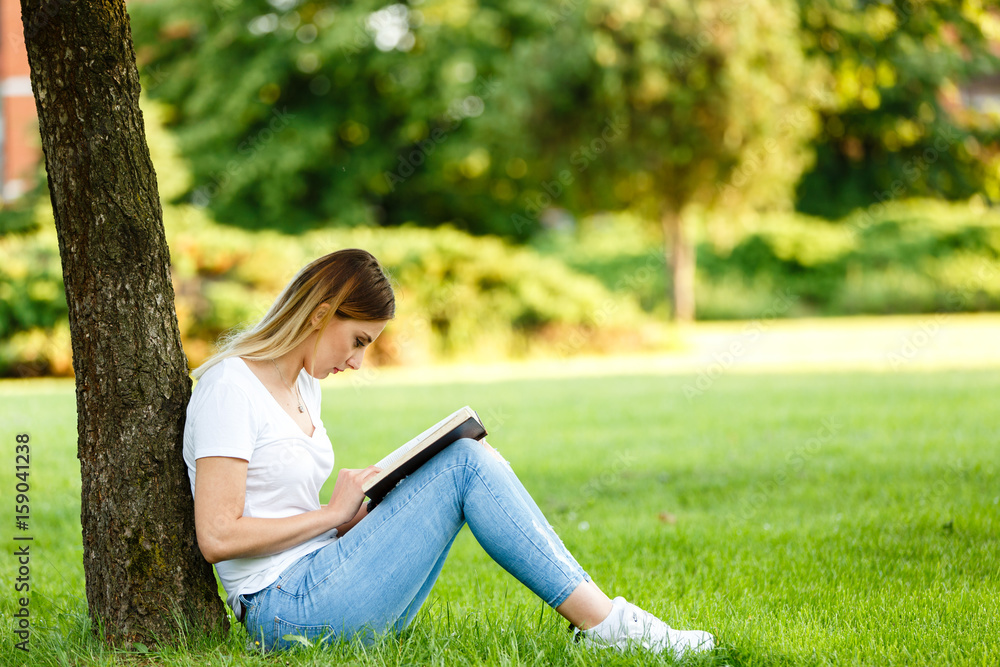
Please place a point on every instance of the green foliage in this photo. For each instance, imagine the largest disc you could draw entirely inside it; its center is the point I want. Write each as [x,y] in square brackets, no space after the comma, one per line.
[480,114]
[622,251]
[457,295]
[316,114]
[31,288]
[912,256]
[16,218]
[894,126]
[34,331]
[654,107]
[34,326]
[508,118]
[20,216]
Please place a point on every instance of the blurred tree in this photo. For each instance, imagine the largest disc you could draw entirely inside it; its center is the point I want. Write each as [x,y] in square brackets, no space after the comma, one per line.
[671,109]
[144,572]
[895,127]
[297,115]
[482,114]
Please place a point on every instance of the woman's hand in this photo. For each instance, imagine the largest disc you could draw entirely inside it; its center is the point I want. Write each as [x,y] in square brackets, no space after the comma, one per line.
[347,495]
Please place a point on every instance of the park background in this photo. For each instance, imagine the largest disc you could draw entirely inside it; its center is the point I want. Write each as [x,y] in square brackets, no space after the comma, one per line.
[637,229]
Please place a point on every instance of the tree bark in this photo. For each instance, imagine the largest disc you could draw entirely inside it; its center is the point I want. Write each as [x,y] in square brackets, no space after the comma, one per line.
[143,569]
[681,260]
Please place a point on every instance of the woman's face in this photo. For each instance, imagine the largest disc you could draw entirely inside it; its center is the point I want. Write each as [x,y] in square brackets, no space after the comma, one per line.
[342,345]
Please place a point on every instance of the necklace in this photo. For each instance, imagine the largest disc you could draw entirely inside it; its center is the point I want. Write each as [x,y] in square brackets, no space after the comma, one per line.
[294,391]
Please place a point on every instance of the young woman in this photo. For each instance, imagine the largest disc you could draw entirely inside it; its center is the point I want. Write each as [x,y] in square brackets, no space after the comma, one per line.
[258,452]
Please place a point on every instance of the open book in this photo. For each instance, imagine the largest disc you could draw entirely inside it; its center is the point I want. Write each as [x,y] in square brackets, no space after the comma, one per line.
[463,423]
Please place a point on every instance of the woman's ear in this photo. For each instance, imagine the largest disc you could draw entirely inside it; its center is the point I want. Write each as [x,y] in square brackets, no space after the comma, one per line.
[319,314]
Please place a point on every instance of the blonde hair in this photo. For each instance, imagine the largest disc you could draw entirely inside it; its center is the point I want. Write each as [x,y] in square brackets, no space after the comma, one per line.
[351,282]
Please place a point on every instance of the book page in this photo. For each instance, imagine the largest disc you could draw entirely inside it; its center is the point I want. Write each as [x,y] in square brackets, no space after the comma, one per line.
[400,452]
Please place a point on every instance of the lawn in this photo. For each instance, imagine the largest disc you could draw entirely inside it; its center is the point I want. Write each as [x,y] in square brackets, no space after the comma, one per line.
[805,519]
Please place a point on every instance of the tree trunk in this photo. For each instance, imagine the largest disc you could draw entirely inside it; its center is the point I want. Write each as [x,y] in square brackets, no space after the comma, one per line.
[143,568]
[680,259]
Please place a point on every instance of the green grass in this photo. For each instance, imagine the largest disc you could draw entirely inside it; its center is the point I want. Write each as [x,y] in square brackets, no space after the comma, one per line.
[805,519]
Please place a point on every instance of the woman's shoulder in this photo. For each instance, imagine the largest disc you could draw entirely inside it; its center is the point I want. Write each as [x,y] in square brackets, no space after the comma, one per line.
[230,369]
[231,373]
[223,414]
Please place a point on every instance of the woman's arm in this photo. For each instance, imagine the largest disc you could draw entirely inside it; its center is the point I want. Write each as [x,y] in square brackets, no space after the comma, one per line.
[224,533]
[362,513]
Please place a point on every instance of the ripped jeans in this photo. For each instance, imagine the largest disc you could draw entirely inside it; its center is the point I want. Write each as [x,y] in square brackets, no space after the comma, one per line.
[374,579]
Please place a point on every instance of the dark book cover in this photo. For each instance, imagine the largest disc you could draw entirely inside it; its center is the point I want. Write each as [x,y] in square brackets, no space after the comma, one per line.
[470,428]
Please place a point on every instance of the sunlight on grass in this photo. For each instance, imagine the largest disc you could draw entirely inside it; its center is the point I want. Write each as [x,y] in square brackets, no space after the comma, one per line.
[823,518]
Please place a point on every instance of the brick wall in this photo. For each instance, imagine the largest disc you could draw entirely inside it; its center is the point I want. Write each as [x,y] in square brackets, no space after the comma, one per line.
[19,140]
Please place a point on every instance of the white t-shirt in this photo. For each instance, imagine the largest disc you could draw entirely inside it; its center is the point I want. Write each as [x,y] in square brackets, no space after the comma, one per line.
[232,414]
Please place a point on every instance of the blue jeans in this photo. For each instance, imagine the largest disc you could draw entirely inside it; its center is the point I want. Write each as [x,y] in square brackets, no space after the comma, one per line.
[374,579]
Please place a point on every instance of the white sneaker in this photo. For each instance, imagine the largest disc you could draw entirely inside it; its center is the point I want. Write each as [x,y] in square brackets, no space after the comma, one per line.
[628,626]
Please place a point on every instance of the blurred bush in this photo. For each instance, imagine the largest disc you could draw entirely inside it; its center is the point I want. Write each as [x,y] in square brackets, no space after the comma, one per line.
[913,256]
[464,297]
[909,256]
[34,330]
[31,286]
[458,296]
